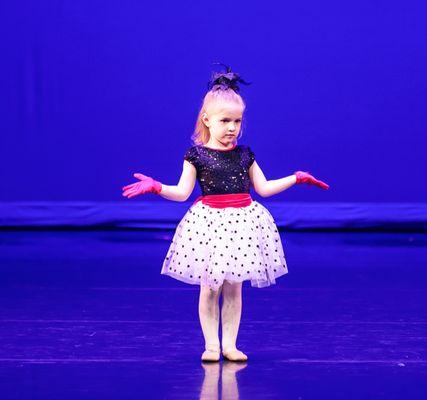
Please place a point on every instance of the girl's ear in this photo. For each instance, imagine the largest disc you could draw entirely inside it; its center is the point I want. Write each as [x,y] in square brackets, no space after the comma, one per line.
[205,119]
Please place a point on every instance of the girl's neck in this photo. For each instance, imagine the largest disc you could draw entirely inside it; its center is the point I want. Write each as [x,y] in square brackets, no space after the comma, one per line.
[215,146]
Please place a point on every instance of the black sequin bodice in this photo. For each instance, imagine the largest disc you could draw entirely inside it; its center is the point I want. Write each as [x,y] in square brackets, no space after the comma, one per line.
[222,171]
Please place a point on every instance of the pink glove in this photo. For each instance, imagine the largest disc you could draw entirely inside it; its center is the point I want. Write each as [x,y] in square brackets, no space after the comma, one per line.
[147,185]
[305,177]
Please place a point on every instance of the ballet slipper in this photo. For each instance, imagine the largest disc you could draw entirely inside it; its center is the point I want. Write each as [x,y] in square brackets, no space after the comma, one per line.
[210,355]
[234,355]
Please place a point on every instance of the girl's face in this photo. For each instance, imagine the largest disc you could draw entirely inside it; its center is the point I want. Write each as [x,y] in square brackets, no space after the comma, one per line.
[224,123]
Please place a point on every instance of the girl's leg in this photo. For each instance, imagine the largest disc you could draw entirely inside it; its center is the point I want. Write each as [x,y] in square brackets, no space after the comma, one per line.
[230,316]
[209,320]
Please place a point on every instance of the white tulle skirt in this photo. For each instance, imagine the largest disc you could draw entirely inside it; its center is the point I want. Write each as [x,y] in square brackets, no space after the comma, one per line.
[211,245]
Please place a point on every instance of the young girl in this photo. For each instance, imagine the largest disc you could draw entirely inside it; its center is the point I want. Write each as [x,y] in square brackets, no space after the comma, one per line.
[225,237]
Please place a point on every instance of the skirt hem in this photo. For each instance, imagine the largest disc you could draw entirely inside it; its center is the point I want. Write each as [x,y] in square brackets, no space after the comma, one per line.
[254,282]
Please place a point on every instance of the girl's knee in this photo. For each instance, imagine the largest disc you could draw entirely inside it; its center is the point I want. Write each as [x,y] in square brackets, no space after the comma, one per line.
[232,289]
[232,286]
[209,293]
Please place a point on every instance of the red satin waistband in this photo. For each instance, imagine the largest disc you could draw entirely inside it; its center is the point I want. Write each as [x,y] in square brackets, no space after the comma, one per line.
[226,200]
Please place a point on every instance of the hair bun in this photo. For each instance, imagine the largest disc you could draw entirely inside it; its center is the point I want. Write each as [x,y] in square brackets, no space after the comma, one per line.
[225,80]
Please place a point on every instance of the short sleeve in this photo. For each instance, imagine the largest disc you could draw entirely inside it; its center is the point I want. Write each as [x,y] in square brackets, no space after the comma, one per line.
[251,156]
[191,155]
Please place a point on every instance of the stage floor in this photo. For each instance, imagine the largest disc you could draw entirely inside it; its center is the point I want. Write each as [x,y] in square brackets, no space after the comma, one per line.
[87,315]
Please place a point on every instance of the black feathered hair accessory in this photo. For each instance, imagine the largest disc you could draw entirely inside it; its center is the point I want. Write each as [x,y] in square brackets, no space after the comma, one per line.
[225,80]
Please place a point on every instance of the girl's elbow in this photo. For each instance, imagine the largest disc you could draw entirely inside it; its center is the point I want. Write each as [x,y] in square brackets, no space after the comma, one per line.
[186,196]
[262,191]
[183,193]
[182,198]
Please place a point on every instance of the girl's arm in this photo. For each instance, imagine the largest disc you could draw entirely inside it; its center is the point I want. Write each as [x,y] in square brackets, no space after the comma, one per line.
[183,190]
[269,188]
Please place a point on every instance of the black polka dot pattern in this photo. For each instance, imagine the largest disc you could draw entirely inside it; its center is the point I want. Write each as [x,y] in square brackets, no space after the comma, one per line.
[211,245]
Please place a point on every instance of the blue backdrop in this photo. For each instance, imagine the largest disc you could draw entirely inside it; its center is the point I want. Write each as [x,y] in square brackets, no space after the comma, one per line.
[92,91]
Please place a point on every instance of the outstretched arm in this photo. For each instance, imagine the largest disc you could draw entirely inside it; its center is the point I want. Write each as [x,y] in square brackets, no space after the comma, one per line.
[179,192]
[269,188]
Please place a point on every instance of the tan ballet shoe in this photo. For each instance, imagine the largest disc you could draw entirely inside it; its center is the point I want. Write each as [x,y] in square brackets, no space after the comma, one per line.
[234,355]
[210,355]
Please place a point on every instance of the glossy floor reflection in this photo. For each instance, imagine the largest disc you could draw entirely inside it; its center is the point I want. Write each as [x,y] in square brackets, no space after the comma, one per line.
[86,315]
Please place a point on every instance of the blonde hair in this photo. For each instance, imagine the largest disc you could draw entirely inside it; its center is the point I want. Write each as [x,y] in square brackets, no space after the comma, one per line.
[213,99]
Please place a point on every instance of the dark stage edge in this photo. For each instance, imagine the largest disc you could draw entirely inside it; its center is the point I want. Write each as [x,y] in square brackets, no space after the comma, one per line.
[87,315]
[148,214]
